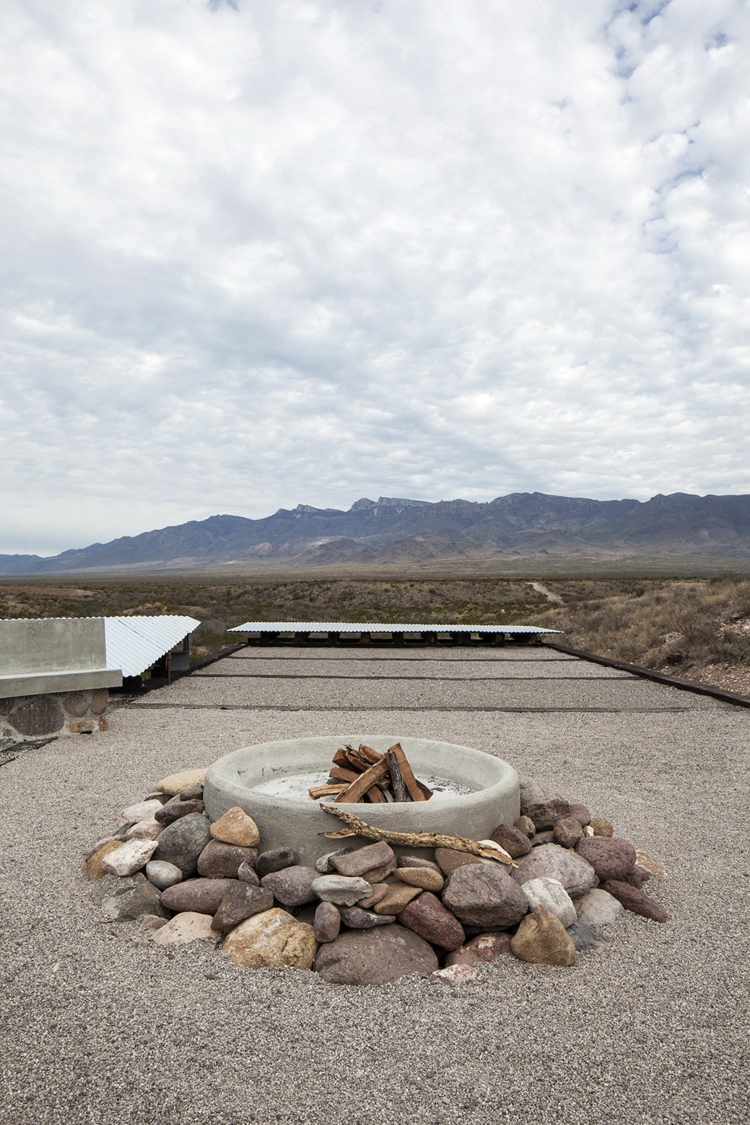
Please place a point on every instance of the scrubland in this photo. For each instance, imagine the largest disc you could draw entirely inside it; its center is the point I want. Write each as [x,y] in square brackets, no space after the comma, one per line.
[696,629]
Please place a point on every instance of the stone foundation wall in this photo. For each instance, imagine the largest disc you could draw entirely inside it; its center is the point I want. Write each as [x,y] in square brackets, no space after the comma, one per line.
[33,716]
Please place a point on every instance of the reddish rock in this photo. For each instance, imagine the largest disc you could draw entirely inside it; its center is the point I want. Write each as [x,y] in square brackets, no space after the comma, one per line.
[39,714]
[484,895]
[247,874]
[201,896]
[635,900]
[327,923]
[545,813]
[449,860]
[581,813]
[428,917]
[483,948]
[567,831]
[610,858]
[375,956]
[600,826]
[76,703]
[515,842]
[219,860]
[240,901]
[526,825]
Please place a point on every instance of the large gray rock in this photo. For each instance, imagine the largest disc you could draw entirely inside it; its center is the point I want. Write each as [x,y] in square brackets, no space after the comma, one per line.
[200,896]
[375,956]
[183,841]
[275,859]
[370,858]
[484,895]
[132,897]
[599,908]
[553,862]
[292,886]
[220,860]
[240,901]
[552,894]
[162,874]
[343,890]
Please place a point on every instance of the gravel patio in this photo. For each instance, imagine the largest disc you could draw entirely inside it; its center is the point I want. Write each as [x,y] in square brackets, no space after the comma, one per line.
[100,1028]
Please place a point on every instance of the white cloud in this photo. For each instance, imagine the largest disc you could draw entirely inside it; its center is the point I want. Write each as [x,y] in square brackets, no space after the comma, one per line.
[270,253]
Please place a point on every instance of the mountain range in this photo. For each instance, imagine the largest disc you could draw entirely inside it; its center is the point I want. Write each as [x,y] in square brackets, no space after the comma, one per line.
[417,532]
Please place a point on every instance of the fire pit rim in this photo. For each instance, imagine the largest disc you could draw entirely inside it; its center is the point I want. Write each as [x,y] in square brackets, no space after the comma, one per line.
[474,814]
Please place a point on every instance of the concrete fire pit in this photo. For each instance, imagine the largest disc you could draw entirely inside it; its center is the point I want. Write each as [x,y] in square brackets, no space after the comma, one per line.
[270,780]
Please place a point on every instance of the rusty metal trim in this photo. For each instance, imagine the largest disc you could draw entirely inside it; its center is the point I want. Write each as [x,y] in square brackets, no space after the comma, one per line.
[721,694]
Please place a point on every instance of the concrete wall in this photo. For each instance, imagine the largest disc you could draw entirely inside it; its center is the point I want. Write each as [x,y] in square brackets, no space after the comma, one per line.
[65,644]
[54,655]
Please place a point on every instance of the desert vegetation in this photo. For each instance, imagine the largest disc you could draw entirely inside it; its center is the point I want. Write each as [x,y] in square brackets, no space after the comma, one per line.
[694,628]
[697,630]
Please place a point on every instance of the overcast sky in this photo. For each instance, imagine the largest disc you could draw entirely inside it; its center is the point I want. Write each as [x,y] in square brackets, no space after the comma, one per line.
[276,251]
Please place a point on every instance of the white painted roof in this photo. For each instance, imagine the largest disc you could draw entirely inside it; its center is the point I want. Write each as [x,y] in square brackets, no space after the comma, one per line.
[133,644]
[377,627]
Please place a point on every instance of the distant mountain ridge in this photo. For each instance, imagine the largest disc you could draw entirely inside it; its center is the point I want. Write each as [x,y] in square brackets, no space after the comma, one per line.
[392,529]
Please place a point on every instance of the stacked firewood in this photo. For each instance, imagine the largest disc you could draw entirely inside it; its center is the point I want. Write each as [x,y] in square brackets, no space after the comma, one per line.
[363,774]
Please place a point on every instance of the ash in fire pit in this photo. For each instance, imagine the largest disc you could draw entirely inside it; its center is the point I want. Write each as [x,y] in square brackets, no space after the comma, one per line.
[298,786]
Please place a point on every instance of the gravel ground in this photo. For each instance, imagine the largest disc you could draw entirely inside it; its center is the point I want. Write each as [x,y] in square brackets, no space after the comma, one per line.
[97,1027]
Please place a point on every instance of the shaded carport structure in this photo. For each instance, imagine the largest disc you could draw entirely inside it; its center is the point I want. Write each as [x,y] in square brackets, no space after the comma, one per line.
[648,1028]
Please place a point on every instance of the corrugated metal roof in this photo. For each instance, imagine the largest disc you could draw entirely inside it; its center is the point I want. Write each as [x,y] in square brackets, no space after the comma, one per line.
[377,627]
[134,643]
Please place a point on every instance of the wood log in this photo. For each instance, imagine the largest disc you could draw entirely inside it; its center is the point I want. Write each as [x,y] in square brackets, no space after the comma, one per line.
[398,785]
[410,780]
[376,795]
[340,758]
[354,761]
[337,773]
[365,781]
[371,755]
[484,848]
[425,789]
[318,791]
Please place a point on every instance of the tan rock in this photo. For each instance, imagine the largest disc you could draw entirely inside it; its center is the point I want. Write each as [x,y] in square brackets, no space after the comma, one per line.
[176,782]
[456,974]
[541,939]
[145,830]
[272,940]
[184,928]
[422,877]
[399,896]
[643,859]
[601,826]
[93,865]
[236,827]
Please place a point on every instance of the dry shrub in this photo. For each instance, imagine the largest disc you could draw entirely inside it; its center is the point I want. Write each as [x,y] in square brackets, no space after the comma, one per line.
[663,623]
